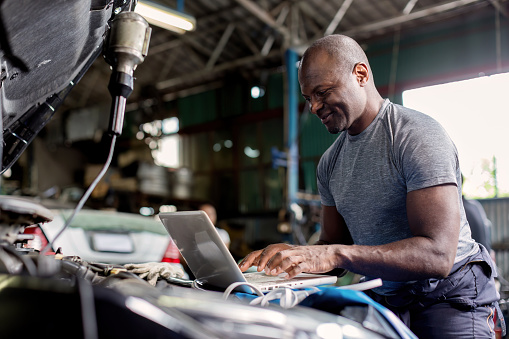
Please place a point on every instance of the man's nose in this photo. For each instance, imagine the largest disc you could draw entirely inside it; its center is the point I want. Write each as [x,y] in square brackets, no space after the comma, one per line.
[315,106]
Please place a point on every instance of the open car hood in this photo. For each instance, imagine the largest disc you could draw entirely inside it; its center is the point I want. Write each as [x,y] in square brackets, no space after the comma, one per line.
[45,48]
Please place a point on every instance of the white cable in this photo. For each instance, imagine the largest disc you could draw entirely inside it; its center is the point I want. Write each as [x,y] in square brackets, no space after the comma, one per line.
[363,286]
[288,297]
[230,288]
[85,196]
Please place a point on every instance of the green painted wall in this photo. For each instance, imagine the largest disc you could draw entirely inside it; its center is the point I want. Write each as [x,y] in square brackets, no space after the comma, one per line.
[231,98]
[314,138]
[197,109]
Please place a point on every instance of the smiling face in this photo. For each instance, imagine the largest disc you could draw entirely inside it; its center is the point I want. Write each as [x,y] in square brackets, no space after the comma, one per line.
[336,93]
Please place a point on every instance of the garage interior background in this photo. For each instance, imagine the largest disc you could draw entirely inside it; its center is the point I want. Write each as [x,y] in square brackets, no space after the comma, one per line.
[230,142]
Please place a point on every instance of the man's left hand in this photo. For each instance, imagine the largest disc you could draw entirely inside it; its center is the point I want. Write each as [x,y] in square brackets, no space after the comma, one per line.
[300,259]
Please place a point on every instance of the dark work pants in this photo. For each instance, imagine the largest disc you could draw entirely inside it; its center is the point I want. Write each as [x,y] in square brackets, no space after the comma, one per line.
[460,306]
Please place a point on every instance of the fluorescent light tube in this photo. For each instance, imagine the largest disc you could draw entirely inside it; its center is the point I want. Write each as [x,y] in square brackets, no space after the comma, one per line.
[165,17]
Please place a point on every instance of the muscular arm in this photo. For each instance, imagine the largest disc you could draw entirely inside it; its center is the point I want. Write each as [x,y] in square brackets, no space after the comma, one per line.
[333,229]
[434,220]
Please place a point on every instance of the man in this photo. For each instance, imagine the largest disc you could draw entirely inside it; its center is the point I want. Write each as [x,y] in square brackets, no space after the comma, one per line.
[391,203]
[212,214]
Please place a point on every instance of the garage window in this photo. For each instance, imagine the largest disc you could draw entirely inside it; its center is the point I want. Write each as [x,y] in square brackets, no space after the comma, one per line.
[475,113]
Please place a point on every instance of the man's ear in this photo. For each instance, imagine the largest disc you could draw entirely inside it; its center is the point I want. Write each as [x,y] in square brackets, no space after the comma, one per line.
[361,72]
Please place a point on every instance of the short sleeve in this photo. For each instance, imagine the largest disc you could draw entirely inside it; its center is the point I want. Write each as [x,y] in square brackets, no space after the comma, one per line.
[427,155]
[323,177]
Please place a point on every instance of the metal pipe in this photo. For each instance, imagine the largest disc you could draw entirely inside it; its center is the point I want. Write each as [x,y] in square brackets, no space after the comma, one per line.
[292,145]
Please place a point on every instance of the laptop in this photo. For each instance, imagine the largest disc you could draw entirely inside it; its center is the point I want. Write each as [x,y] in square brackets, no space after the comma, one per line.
[212,263]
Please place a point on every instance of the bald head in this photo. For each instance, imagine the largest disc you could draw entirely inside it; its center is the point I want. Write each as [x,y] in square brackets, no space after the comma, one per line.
[343,50]
[336,81]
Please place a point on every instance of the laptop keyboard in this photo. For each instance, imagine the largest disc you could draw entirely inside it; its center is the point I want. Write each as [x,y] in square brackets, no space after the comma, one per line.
[262,278]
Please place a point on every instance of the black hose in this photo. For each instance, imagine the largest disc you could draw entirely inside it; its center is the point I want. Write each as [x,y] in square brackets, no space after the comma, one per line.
[88,315]
[79,270]
[27,262]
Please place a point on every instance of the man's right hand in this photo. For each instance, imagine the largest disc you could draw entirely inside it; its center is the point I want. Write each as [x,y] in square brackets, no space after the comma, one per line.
[261,257]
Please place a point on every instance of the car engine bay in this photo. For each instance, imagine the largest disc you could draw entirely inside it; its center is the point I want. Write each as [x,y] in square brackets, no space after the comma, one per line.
[57,295]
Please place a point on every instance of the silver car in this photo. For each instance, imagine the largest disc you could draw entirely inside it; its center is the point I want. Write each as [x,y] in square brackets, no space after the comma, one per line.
[109,237]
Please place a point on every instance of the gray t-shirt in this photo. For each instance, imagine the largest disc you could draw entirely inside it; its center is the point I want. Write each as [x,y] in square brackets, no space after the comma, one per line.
[367,177]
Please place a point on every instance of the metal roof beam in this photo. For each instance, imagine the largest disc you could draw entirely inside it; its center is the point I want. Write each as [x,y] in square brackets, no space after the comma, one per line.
[196,45]
[165,46]
[263,15]
[498,7]
[303,36]
[294,26]
[196,76]
[205,33]
[177,42]
[220,45]
[409,17]
[193,56]
[311,13]
[270,40]
[409,6]
[168,64]
[309,21]
[247,40]
[338,17]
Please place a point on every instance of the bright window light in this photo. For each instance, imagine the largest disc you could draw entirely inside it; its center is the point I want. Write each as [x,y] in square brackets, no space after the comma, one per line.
[475,114]
[167,153]
[250,152]
[146,211]
[7,173]
[147,128]
[257,92]
[168,208]
[170,125]
[228,143]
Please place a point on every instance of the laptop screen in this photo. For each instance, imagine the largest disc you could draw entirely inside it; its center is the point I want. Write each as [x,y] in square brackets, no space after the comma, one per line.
[202,247]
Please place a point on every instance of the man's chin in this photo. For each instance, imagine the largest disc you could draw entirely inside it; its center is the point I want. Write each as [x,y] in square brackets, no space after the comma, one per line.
[333,129]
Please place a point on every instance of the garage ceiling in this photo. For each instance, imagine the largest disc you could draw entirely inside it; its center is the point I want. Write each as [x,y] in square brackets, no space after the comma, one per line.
[246,37]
